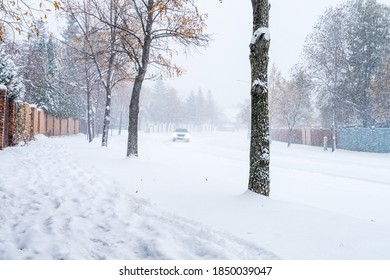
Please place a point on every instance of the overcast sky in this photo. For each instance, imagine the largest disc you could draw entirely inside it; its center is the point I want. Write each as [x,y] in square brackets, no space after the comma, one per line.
[224,67]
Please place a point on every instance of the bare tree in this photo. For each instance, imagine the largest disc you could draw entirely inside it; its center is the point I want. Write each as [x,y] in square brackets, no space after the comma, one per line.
[274,79]
[259,181]
[291,100]
[21,16]
[98,22]
[326,54]
[344,52]
[150,29]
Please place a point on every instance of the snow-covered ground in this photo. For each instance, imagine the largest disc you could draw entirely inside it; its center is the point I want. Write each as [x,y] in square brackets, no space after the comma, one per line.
[63,198]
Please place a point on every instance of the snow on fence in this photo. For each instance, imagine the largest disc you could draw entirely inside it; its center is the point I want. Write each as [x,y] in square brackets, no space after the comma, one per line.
[374,140]
[361,139]
[307,136]
[21,122]
[281,135]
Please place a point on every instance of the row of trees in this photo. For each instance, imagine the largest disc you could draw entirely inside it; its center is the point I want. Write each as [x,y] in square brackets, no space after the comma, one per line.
[343,78]
[164,104]
[51,77]
[347,55]
[109,42]
[124,38]
[135,34]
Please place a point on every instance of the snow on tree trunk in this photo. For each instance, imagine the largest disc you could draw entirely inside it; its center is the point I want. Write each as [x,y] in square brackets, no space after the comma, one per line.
[259,181]
[89,115]
[106,122]
[120,123]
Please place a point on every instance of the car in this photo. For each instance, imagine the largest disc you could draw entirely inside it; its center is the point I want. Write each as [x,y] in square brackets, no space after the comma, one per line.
[181,134]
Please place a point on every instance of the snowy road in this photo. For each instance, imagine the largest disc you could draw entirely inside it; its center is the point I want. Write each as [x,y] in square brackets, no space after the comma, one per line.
[54,207]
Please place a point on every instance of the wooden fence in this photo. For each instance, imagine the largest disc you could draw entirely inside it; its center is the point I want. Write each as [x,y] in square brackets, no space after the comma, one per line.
[21,122]
[306,136]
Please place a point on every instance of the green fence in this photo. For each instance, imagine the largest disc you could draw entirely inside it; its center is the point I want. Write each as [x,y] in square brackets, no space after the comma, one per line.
[376,140]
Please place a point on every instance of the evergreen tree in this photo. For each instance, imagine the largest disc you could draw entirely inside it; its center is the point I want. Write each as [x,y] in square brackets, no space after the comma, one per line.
[173,107]
[156,102]
[9,76]
[71,74]
[52,77]
[52,87]
[210,110]
[39,88]
[190,109]
[200,106]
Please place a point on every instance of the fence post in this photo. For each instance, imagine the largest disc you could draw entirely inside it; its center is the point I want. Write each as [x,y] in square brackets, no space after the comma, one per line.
[11,123]
[3,108]
[34,121]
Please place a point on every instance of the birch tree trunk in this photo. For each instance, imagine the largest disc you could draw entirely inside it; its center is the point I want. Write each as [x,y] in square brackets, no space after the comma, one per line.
[259,179]
[89,103]
[106,121]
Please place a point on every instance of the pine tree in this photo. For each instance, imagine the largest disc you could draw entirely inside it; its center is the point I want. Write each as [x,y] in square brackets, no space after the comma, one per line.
[200,105]
[9,76]
[38,88]
[211,111]
[191,109]
[71,75]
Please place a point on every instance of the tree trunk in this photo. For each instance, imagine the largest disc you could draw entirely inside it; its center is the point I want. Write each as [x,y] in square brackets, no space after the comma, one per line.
[106,121]
[259,181]
[89,115]
[132,140]
[289,137]
[333,126]
[93,123]
[120,123]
